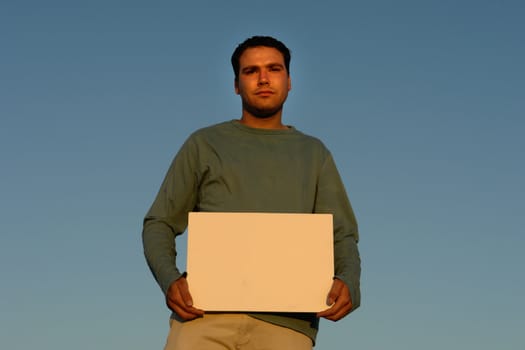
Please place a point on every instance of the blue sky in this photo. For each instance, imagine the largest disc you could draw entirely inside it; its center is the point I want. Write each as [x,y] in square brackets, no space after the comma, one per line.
[421,103]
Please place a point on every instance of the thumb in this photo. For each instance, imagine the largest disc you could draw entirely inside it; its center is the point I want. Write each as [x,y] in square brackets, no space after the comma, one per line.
[334,293]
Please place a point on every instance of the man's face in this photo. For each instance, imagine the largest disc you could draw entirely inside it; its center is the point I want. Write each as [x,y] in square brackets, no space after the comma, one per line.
[263,82]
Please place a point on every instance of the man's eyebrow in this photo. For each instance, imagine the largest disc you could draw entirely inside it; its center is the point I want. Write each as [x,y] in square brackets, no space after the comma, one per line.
[275,65]
[269,65]
[249,67]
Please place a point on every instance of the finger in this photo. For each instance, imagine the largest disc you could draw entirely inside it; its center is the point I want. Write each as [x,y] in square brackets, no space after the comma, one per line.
[181,312]
[173,299]
[341,313]
[340,309]
[183,302]
[188,314]
[184,311]
[175,293]
[186,301]
[339,295]
[327,313]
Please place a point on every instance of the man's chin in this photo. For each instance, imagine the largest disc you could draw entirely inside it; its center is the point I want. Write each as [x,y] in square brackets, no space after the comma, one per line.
[262,113]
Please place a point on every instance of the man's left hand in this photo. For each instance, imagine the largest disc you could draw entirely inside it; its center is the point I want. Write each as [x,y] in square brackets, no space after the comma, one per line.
[341,301]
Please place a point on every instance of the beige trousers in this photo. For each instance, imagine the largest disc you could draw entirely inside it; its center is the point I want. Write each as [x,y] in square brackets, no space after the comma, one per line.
[233,332]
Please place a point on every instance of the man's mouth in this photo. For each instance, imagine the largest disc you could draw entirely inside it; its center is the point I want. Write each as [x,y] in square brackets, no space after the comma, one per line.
[264,93]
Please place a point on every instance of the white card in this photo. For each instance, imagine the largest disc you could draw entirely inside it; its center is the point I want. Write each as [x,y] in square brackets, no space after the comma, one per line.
[277,262]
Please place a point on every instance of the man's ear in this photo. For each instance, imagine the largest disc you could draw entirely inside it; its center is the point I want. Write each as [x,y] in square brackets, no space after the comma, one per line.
[289,83]
[236,86]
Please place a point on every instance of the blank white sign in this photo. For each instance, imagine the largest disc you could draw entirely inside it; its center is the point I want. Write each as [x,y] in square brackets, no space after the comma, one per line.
[276,262]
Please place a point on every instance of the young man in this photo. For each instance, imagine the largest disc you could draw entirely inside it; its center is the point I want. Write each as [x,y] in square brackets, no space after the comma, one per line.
[254,164]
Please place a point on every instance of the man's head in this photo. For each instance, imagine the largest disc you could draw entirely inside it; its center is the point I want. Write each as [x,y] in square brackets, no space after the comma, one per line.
[262,78]
[256,41]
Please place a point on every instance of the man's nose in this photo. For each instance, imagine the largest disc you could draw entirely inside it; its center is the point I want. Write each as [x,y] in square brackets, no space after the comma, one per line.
[263,77]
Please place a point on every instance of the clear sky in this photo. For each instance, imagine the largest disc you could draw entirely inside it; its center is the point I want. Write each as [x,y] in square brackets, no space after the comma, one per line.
[421,103]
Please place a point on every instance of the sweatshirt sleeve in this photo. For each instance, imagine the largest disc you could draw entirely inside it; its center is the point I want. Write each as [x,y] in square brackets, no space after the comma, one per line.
[168,215]
[332,198]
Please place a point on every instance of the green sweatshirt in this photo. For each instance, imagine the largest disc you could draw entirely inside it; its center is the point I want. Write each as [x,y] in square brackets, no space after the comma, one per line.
[230,167]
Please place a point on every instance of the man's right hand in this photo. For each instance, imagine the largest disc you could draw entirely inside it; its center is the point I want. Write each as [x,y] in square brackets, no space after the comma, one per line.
[178,300]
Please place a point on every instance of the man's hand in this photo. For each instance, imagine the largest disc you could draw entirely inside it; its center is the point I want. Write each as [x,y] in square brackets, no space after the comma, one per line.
[178,300]
[339,296]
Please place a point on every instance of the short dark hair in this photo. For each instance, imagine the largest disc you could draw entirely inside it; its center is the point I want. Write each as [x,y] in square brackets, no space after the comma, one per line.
[255,41]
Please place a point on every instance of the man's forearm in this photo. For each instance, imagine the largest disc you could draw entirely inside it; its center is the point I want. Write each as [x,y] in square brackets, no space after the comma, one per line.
[159,249]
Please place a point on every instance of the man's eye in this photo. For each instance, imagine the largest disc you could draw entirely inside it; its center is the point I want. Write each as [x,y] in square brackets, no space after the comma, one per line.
[275,69]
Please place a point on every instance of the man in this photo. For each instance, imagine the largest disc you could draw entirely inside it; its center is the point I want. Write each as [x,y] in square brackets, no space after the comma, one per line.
[255,164]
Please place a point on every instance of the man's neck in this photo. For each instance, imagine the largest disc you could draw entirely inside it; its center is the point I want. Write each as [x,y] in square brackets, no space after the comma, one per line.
[273,122]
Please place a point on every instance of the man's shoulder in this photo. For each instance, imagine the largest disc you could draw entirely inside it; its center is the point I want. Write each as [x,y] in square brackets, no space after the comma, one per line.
[209,132]
[213,128]
[311,140]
